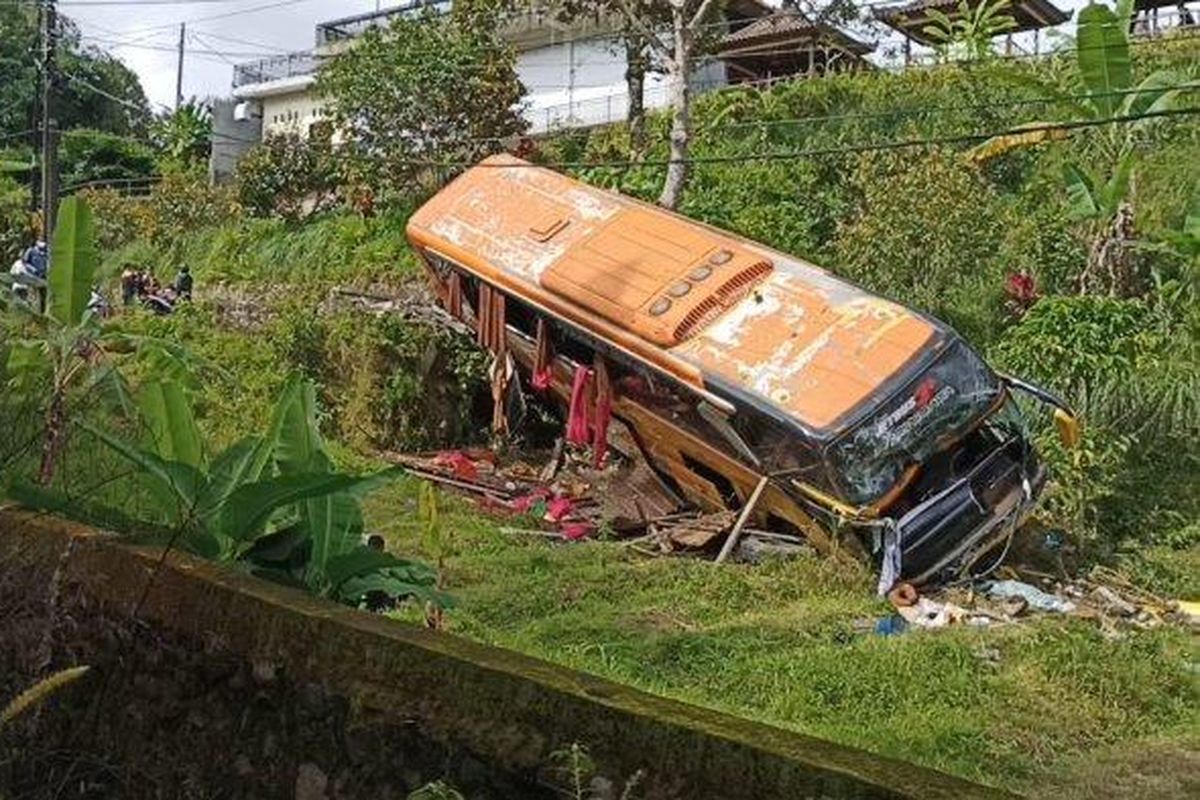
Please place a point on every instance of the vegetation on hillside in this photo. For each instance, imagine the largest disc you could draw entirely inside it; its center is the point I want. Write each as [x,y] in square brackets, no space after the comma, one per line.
[993,246]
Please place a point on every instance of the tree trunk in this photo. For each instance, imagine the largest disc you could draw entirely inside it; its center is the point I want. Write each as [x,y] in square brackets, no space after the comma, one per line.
[1110,264]
[635,84]
[681,121]
[56,420]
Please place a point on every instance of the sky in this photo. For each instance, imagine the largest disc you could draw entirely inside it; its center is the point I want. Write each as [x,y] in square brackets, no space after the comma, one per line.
[145,34]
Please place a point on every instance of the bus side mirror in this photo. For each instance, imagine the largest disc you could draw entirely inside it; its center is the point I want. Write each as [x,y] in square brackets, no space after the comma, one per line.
[1069,431]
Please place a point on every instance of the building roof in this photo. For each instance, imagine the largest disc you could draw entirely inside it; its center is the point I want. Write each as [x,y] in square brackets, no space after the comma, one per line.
[812,346]
[788,28]
[911,19]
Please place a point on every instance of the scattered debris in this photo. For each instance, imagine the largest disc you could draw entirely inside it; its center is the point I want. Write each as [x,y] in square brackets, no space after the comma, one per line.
[1032,595]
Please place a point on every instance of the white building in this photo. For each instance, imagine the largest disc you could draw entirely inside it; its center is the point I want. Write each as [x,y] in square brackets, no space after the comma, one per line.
[574,74]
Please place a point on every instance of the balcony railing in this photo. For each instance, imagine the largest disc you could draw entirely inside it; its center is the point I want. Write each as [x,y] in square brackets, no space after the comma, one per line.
[275,68]
[351,27]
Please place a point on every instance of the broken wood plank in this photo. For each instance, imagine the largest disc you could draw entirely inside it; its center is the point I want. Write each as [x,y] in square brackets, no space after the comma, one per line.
[744,517]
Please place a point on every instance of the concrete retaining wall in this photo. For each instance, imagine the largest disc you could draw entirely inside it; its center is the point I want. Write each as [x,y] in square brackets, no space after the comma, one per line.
[498,712]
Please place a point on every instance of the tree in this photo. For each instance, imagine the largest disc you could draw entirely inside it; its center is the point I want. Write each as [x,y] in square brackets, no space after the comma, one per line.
[89,155]
[970,33]
[1103,89]
[288,175]
[90,81]
[688,19]
[273,501]
[184,136]
[426,91]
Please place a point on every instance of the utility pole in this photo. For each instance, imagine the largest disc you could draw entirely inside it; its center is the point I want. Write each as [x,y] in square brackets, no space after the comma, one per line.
[49,128]
[179,67]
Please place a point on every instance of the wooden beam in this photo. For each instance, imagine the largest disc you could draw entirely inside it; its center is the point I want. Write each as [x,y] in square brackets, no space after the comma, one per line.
[744,517]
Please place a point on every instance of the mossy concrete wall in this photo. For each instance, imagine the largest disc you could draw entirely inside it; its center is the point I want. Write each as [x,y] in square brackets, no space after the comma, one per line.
[502,711]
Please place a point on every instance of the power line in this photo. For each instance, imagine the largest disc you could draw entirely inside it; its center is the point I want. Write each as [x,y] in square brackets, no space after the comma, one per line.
[792,155]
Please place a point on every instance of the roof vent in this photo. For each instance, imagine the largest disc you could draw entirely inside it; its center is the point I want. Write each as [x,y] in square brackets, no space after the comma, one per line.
[728,293]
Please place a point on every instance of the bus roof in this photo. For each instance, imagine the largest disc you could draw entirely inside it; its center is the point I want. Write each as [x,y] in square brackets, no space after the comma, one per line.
[698,302]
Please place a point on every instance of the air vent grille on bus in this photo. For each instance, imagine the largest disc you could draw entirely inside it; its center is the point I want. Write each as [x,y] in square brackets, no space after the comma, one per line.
[722,298]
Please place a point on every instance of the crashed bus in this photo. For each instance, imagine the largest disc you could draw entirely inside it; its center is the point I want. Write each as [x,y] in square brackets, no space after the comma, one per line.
[750,379]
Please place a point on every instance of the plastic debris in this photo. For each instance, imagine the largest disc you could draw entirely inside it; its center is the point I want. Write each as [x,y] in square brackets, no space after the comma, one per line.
[891,626]
[1033,596]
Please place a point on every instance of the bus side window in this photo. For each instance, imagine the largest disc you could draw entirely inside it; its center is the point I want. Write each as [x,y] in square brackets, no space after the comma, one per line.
[779,449]
[520,317]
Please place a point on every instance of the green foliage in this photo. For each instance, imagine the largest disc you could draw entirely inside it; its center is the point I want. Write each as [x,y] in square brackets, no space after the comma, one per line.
[971,32]
[90,155]
[937,254]
[63,356]
[274,500]
[452,94]
[184,136]
[77,105]
[1136,379]
[289,176]
[15,221]
[74,248]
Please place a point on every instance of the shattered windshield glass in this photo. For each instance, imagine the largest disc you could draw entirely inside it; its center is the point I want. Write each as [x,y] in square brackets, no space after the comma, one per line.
[943,400]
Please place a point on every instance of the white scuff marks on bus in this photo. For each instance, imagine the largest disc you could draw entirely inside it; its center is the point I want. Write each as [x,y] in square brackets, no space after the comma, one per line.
[512,254]
[729,330]
[590,205]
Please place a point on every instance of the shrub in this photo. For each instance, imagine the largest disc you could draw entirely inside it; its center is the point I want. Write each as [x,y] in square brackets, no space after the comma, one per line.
[16,228]
[1135,378]
[288,176]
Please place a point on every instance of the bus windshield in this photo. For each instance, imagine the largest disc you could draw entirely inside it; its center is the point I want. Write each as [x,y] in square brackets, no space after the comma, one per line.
[942,401]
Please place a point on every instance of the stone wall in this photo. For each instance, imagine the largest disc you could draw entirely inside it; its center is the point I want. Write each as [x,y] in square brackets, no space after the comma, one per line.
[209,683]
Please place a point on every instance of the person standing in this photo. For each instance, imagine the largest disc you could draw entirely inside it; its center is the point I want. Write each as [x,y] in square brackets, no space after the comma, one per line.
[183,283]
[37,259]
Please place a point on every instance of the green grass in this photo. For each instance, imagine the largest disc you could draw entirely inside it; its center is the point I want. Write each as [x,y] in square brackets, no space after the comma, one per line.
[784,643]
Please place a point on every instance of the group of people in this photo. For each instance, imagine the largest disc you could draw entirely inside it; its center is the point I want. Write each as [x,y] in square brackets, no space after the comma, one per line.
[141,287]
[138,286]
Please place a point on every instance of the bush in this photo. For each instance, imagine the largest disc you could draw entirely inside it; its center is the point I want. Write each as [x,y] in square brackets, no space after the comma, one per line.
[937,250]
[16,222]
[89,155]
[288,176]
[1135,378]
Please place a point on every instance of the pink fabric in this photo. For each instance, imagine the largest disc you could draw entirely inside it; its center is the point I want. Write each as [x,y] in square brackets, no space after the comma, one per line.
[574,531]
[459,462]
[527,501]
[541,380]
[578,426]
[559,507]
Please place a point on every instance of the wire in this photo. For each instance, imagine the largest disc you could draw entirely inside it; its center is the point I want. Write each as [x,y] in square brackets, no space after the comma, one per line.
[845,149]
[121,100]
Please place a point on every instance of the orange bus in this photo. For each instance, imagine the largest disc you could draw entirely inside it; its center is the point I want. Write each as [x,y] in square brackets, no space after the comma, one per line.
[745,375]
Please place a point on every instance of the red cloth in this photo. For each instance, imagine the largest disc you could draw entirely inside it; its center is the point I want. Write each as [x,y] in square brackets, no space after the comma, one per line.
[578,424]
[543,360]
[559,507]
[574,531]
[459,462]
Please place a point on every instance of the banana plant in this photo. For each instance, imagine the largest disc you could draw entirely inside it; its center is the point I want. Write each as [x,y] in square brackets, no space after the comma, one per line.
[1104,89]
[273,501]
[970,32]
[66,350]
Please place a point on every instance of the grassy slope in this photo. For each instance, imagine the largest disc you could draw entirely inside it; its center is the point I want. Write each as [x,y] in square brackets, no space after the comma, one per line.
[781,643]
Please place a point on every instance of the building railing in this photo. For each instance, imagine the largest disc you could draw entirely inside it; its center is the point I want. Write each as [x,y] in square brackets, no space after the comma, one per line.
[350,27]
[275,68]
